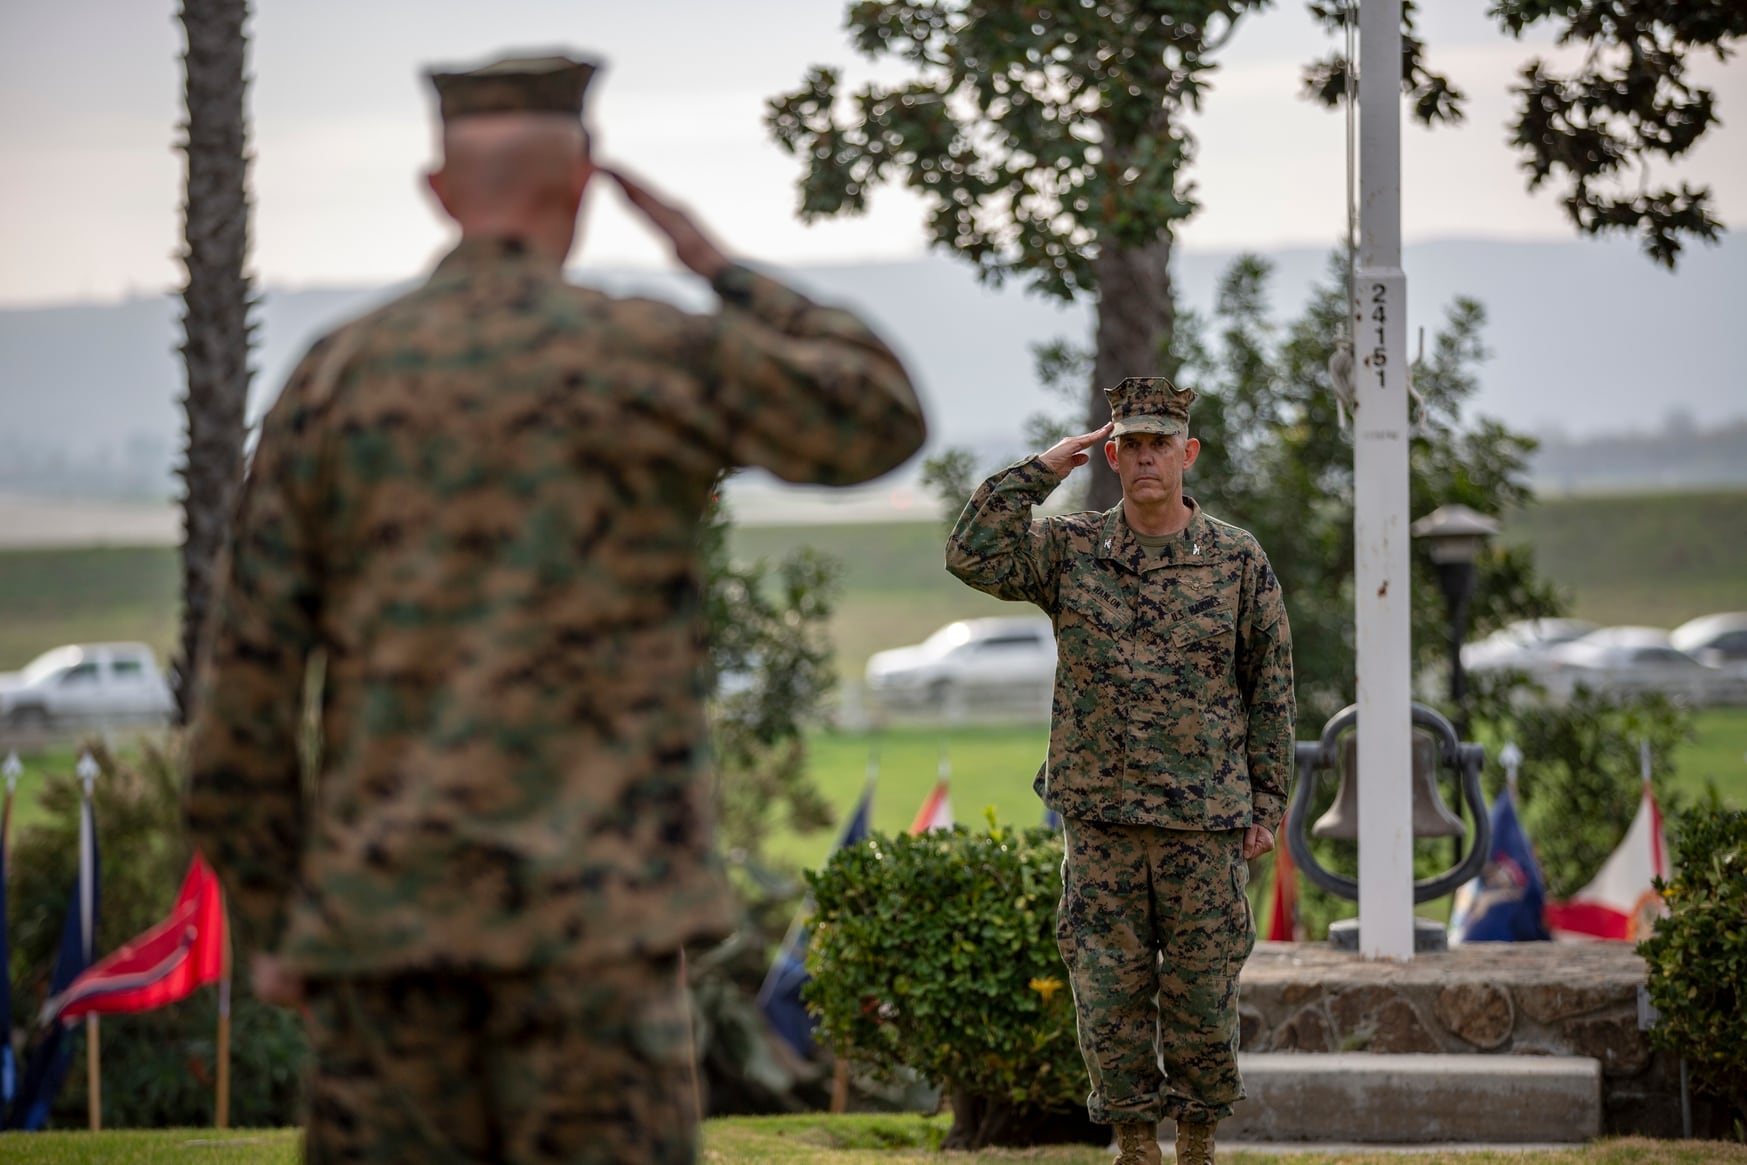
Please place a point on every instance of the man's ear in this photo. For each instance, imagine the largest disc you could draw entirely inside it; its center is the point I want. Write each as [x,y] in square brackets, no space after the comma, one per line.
[1110,452]
[1191,450]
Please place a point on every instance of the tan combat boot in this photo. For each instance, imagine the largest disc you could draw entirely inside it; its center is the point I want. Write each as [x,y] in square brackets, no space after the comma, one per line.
[1137,1144]
[1195,1143]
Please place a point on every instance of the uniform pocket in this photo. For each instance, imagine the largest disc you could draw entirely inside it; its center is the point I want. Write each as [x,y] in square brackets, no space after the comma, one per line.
[1205,619]
[1097,602]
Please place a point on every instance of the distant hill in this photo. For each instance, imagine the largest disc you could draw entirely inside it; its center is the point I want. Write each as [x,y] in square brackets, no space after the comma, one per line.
[1586,338]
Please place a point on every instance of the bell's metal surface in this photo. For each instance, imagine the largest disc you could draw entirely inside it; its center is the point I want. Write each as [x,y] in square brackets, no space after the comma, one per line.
[1431,817]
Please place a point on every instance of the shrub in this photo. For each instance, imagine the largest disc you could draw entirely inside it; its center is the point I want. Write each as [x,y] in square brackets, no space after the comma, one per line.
[938,954]
[1697,958]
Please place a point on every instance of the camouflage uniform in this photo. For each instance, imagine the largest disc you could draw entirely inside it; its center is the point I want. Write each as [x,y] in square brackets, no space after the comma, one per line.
[479,506]
[1171,733]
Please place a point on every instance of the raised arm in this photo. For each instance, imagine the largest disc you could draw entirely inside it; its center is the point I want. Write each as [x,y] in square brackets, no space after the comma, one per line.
[996,547]
[805,391]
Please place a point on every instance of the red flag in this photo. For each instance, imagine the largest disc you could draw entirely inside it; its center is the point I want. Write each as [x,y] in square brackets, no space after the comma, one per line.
[936,812]
[1283,926]
[1621,903]
[162,965]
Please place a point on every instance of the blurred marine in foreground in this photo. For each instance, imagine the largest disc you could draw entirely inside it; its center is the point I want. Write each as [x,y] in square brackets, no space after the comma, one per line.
[478,506]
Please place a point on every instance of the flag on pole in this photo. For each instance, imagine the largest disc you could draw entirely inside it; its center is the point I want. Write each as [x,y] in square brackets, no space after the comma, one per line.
[936,811]
[1621,903]
[54,1051]
[1283,923]
[164,964]
[1506,902]
[780,995]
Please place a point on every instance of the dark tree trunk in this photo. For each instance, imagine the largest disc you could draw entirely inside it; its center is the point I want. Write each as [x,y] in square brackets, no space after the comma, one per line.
[1135,316]
[216,305]
[982,1122]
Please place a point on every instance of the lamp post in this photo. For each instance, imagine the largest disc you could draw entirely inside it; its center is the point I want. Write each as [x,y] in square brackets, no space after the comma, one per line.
[1455,535]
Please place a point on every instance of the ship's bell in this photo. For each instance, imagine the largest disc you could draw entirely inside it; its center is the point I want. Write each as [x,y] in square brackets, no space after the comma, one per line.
[1431,817]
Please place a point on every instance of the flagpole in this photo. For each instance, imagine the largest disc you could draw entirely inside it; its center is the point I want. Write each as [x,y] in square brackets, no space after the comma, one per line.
[87,907]
[11,769]
[222,1101]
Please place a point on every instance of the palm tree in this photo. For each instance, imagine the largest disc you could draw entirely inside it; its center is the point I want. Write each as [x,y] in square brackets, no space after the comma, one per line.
[216,303]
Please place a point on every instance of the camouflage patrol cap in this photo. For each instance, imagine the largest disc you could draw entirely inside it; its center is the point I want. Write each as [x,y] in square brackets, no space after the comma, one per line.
[1149,404]
[554,83]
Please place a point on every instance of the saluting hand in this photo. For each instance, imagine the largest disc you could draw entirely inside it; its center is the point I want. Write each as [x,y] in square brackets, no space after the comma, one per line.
[691,246]
[1069,452]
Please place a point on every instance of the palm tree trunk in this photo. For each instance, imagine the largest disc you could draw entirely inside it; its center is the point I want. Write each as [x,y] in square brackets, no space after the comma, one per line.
[216,304]
[1135,317]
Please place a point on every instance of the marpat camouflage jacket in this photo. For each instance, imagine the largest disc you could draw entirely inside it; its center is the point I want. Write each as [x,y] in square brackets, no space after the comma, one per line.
[479,506]
[1173,684]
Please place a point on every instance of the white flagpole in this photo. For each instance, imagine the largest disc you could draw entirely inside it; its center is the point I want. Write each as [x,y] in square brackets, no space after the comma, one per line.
[88,771]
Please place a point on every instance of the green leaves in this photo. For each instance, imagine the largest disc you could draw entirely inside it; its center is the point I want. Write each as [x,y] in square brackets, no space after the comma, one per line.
[1697,959]
[1035,134]
[1600,128]
[937,953]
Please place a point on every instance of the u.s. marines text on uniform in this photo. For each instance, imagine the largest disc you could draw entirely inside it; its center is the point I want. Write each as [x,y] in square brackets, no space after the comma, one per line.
[479,505]
[1169,753]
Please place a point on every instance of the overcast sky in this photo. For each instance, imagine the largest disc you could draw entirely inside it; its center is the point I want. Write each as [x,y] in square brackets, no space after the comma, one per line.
[90,99]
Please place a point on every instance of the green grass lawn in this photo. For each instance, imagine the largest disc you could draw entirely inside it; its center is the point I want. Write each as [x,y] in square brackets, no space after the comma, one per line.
[1650,558]
[991,766]
[1717,755]
[818,1140]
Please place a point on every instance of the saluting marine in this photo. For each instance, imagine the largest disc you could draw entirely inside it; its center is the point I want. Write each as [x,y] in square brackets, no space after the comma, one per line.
[479,506]
[1169,754]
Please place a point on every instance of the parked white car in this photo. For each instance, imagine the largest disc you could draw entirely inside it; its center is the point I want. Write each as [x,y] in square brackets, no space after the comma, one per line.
[1719,640]
[86,685]
[1629,660]
[1522,645]
[1008,659]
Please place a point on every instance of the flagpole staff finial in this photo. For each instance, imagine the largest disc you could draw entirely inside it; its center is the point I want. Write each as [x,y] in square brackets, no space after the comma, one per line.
[88,772]
[1511,757]
[11,770]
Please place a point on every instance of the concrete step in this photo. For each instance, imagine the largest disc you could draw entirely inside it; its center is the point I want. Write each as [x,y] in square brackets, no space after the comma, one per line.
[1405,1099]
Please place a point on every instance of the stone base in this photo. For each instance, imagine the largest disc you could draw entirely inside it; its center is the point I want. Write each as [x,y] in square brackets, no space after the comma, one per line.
[1406,1100]
[1513,999]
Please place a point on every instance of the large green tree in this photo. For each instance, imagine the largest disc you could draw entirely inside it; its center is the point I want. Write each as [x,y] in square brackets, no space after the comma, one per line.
[216,303]
[1047,140]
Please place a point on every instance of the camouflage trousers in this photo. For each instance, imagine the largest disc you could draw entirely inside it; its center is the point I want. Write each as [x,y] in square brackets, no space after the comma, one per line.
[1154,928]
[574,1066]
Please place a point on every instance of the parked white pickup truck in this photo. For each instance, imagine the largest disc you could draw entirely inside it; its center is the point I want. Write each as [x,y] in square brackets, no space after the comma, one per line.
[88,684]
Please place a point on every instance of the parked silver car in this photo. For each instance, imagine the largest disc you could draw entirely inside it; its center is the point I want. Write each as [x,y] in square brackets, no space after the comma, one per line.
[1008,659]
[86,685]
[1522,645]
[1630,660]
[1719,640]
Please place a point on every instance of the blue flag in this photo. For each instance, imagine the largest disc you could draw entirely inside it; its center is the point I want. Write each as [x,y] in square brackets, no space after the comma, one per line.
[8,1062]
[780,997]
[1507,902]
[1051,819]
[48,1062]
